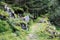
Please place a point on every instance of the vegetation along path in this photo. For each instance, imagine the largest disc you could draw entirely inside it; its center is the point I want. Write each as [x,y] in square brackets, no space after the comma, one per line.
[35,28]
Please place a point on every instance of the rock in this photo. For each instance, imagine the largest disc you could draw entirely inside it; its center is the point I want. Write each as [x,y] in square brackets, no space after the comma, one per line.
[27,18]
[24,26]
[51,31]
[42,21]
[2,17]
[9,11]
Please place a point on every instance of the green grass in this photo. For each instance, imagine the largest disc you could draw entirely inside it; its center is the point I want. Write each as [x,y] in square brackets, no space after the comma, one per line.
[6,31]
[7,26]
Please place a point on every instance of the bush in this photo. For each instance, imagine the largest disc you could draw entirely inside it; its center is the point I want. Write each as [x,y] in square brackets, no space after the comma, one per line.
[4,26]
[3,13]
[55,17]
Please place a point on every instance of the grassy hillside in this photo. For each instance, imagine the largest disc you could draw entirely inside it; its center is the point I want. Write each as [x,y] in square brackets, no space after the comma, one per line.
[39,28]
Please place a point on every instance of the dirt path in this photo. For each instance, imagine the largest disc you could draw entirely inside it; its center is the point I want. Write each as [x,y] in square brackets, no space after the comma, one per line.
[35,28]
[31,35]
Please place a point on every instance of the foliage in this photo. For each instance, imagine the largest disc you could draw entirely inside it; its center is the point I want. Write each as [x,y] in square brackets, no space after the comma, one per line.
[7,30]
[4,26]
[55,17]
[3,13]
[17,8]
[10,29]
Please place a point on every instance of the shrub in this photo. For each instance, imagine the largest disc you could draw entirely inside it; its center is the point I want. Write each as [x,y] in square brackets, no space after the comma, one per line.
[4,26]
[55,17]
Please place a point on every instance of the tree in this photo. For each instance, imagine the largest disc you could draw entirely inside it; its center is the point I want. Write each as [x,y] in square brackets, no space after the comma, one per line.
[55,13]
[38,7]
[55,17]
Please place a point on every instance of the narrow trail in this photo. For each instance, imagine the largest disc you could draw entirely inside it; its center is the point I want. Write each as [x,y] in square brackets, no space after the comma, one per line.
[35,28]
[31,35]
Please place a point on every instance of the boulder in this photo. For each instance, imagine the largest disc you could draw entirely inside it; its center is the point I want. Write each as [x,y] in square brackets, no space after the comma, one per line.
[24,26]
